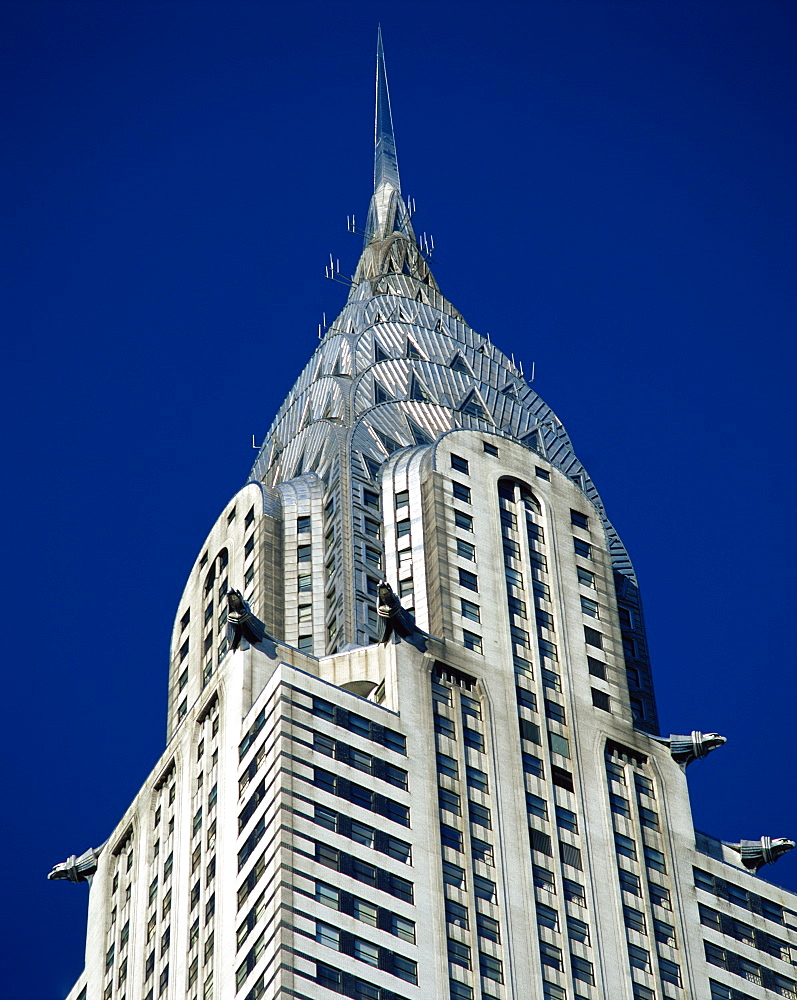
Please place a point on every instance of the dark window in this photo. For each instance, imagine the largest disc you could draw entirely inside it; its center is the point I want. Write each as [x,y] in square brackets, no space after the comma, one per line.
[601,700]
[484,888]
[471,641]
[580,520]
[551,955]
[566,819]
[634,919]
[460,464]
[449,801]
[453,875]
[470,610]
[490,449]
[543,879]
[464,521]
[542,473]
[450,837]
[468,580]
[555,711]
[593,637]
[371,499]
[476,778]
[447,765]
[458,954]
[460,491]
[629,882]
[582,548]
[547,917]
[457,914]
[574,892]
[596,668]
[639,957]
[480,815]
[533,765]
[582,969]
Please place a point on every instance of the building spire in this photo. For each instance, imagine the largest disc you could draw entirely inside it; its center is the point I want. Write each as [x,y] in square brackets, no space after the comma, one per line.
[387,212]
[385,161]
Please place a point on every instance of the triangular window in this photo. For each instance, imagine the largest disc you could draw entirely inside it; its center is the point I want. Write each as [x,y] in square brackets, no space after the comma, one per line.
[420,297]
[378,318]
[406,267]
[440,326]
[459,364]
[412,352]
[403,317]
[473,406]
[381,395]
[389,443]
[372,466]
[419,435]
[379,352]
[532,441]
[509,390]
[418,391]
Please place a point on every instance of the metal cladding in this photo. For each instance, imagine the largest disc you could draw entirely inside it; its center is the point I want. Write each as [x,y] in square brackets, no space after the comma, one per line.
[398,368]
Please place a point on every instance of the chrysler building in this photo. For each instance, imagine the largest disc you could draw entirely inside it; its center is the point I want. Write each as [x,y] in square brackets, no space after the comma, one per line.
[413,750]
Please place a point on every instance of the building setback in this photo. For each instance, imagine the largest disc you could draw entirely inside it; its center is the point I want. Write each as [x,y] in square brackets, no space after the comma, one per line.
[451,786]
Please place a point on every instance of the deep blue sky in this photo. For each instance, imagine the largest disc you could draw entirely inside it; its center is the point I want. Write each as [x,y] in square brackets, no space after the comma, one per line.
[611,190]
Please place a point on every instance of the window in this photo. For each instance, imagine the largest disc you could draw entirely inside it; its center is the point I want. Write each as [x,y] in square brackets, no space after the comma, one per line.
[536,806]
[453,875]
[481,851]
[547,917]
[456,914]
[555,711]
[585,578]
[625,846]
[544,619]
[403,528]
[582,969]
[490,449]
[644,785]
[460,464]
[513,577]
[479,814]
[582,548]
[468,580]
[484,888]
[471,641]
[488,928]
[596,668]
[402,928]
[526,699]
[542,473]
[643,993]
[578,519]
[470,610]
[670,971]
[664,933]
[659,896]
[448,766]
[639,957]
[460,491]
[465,550]
[655,859]
[620,805]
[516,607]
[566,819]
[305,644]
[593,637]
[559,744]
[304,553]
[543,878]
[629,882]
[372,528]
[458,954]
[460,991]
[476,779]
[449,801]
[648,818]
[491,968]
[574,892]
[601,700]
[590,607]
[444,726]
[550,955]
[532,765]
[464,521]
[634,919]
[305,582]
[474,739]
[303,523]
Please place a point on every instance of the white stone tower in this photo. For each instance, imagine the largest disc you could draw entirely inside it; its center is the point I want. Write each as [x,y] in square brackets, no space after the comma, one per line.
[463,797]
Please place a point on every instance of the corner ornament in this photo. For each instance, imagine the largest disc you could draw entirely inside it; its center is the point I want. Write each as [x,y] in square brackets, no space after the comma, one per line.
[395,622]
[696,746]
[242,624]
[757,853]
[77,869]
